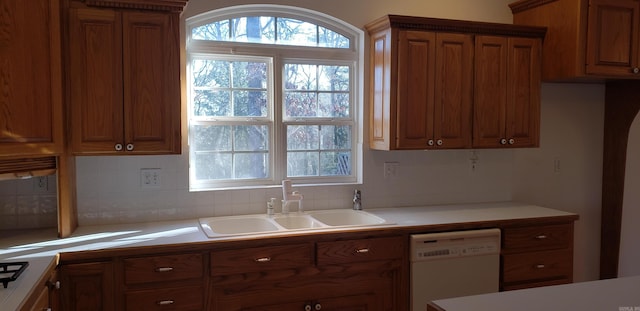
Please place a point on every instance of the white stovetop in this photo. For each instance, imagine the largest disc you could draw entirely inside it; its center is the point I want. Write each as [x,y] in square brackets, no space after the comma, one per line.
[41,247]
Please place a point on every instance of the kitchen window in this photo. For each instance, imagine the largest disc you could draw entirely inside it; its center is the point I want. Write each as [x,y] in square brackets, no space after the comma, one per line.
[274,92]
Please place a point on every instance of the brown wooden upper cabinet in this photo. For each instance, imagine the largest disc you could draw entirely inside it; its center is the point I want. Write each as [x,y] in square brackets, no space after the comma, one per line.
[444,84]
[124,77]
[30,78]
[587,40]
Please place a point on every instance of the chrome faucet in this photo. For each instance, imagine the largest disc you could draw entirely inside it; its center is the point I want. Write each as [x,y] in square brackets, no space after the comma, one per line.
[357,200]
[289,195]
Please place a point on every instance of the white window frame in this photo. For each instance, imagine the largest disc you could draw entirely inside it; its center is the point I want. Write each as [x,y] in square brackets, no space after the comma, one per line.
[353,57]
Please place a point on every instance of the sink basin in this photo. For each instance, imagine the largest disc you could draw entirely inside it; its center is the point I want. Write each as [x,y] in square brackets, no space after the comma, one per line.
[261,224]
[298,222]
[231,225]
[347,217]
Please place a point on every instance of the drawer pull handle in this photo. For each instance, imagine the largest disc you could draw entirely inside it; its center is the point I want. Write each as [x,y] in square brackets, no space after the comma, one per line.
[540,266]
[263,259]
[164,269]
[541,237]
[362,251]
[165,302]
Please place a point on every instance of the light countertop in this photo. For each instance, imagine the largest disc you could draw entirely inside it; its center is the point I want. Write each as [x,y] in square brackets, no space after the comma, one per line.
[619,294]
[41,247]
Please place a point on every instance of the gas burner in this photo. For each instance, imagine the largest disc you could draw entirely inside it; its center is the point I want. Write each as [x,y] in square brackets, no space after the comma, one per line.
[10,271]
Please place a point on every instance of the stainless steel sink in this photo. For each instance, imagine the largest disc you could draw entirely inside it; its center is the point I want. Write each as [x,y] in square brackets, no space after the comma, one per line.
[262,224]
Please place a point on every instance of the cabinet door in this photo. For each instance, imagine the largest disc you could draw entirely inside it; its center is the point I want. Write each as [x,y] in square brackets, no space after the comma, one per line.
[490,97]
[95,64]
[416,82]
[612,37]
[30,78]
[523,92]
[151,82]
[453,91]
[365,302]
[87,286]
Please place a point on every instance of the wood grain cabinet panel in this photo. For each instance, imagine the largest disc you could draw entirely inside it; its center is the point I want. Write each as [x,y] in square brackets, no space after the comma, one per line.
[357,274]
[88,286]
[536,256]
[587,40]
[31,121]
[124,81]
[159,269]
[441,84]
[186,298]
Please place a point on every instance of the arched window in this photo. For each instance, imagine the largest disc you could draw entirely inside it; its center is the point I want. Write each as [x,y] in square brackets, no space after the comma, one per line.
[274,93]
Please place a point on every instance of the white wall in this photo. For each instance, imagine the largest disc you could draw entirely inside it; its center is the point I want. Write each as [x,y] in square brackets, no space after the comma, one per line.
[109,190]
[571,133]
[629,245]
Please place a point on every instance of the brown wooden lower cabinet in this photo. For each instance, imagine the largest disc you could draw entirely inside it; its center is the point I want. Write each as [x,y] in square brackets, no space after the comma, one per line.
[341,272]
[359,274]
[88,286]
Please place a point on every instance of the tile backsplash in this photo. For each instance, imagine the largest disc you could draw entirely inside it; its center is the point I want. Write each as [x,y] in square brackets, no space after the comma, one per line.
[28,203]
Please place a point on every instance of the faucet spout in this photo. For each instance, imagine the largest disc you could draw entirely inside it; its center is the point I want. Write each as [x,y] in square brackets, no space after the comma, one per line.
[357,200]
[289,195]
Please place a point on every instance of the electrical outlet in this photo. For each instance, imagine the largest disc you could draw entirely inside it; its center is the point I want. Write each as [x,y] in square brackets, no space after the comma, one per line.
[150,178]
[391,169]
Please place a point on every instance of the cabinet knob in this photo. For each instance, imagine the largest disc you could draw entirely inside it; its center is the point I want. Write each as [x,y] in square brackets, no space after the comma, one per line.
[503,141]
[540,266]
[430,142]
[317,306]
[439,142]
[129,147]
[118,147]
[636,70]
[541,237]
[512,141]
[307,308]
[53,285]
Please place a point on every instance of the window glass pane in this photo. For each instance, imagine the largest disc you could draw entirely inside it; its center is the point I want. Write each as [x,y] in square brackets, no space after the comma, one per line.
[302,164]
[262,29]
[296,32]
[300,104]
[216,80]
[212,103]
[301,137]
[335,137]
[211,138]
[332,39]
[333,105]
[258,29]
[333,78]
[251,165]
[250,75]
[301,77]
[251,138]
[213,166]
[335,164]
[250,103]
[210,73]
[216,31]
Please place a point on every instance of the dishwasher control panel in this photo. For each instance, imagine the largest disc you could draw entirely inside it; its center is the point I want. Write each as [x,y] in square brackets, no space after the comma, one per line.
[455,244]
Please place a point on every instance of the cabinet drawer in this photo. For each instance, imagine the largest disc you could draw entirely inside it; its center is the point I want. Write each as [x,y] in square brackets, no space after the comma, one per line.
[258,259]
[537,237]
[339,252]
[162,268]
[541,265]
[183,298]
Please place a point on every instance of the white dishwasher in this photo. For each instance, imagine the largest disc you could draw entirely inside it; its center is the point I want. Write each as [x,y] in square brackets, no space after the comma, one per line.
[453,264]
